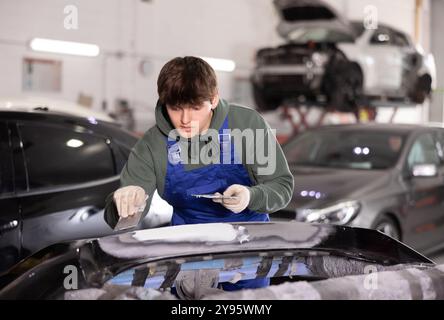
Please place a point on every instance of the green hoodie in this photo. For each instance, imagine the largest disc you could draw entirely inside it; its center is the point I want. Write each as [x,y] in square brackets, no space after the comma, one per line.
[147,163]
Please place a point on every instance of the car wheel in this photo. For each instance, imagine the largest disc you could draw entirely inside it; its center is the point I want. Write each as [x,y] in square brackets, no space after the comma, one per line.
[388,226]
[345,89]
[422,89]
[263,103]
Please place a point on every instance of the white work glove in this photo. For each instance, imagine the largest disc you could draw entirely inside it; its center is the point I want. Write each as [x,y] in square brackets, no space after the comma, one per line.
[129,200]
[242,200]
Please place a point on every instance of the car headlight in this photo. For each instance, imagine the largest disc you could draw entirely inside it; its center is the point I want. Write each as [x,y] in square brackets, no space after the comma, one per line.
[319,59]
[341,213]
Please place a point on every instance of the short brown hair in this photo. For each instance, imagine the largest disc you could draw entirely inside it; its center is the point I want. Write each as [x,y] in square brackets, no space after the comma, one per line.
[187,80]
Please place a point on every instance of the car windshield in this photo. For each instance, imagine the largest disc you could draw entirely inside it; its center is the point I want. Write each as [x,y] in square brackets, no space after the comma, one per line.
[303,35]
[349,149]
[358,28]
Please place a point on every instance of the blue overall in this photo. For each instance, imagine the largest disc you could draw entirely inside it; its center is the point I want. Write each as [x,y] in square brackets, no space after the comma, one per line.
[180,185]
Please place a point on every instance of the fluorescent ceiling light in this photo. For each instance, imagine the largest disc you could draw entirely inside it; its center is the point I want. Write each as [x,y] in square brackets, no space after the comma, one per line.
[221,64]
[65,47]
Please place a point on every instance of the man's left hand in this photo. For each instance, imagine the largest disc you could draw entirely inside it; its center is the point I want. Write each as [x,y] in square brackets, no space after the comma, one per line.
[241,201]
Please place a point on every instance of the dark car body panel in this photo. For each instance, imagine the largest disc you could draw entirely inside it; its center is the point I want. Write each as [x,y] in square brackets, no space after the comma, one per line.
[33,218]
[99,260]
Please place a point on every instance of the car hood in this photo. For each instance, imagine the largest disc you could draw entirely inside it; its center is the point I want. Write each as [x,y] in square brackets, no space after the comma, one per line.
[295,14]
[101,259]
[319,187]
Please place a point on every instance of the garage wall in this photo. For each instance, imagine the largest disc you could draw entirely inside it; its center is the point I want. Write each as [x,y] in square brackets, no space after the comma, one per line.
[128,31]
[230,29]
[437,48]
[21,20]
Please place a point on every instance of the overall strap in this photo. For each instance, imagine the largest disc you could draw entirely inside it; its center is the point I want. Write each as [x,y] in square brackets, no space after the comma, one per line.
[225,143]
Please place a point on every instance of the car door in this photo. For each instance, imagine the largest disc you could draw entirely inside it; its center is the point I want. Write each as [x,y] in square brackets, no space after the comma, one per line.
[425,196]
[70,171]
[439,135]
[9,211]
[388,62]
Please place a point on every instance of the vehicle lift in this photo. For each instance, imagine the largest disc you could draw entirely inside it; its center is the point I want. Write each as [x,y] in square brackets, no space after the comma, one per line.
[362,114]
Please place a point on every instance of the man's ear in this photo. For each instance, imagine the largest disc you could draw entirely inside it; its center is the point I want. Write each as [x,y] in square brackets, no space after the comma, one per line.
[215,101]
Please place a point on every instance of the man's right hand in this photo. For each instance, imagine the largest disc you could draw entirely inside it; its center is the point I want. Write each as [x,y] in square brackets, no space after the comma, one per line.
[129,199]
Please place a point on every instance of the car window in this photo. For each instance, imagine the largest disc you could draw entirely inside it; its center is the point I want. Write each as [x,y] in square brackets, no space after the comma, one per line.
[307,13]
[351,149]
[381,36]
[423,151]
[6,172]
[303,35]
[440,145]
[59,156]
[358,28]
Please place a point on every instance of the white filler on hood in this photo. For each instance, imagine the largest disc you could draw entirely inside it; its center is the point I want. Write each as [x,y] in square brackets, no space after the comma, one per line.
[194,233]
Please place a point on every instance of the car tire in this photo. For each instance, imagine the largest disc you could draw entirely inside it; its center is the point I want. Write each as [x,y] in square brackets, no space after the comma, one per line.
[344,86]
[388,226]
[263,103]
[422,89]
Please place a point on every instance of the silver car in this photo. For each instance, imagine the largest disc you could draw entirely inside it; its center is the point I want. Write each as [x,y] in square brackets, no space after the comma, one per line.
[386,177]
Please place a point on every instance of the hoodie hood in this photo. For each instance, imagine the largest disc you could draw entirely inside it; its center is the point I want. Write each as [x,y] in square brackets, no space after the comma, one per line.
[165,126]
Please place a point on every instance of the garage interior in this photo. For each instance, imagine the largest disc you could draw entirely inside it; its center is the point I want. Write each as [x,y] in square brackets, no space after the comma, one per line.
[120,47]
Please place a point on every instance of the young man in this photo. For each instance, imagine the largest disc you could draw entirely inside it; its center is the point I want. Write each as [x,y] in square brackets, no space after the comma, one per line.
[190,116]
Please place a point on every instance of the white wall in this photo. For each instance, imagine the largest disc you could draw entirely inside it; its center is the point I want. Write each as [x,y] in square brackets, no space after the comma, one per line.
[157,30]
[437,22]
[21,20]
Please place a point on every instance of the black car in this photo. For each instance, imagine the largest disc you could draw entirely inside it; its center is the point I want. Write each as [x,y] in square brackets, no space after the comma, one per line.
[382,176]
[55,173]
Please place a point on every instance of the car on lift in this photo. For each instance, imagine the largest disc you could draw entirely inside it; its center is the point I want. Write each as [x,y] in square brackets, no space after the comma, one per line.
[195,259]
[388,177]
[56,170]
[339,64]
